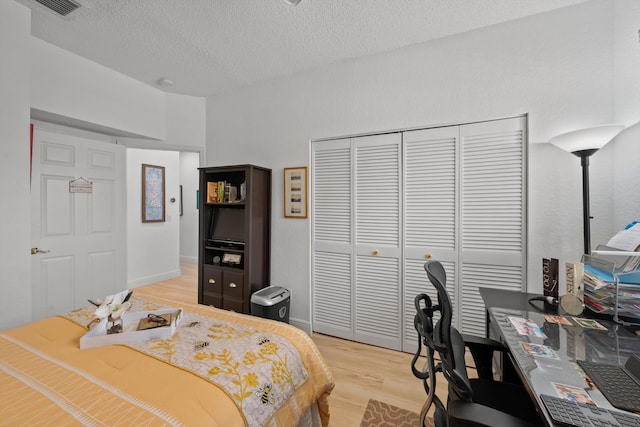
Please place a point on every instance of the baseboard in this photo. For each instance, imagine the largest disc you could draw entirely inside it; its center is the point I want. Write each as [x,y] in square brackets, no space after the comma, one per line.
[189,259]
[153,279]
[301,324]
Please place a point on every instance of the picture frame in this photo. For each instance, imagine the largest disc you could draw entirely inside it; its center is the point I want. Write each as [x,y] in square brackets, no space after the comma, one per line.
[295,192]
[153,193]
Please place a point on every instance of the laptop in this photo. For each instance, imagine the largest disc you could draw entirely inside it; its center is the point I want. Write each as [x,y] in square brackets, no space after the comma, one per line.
[619,384]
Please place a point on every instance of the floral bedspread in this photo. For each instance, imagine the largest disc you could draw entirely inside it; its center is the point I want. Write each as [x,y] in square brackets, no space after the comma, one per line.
[258,370]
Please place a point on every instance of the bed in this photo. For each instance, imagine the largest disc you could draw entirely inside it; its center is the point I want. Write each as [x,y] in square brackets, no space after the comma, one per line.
[219,369]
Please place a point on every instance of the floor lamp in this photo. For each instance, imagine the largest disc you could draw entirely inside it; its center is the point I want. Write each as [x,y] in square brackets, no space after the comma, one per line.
[584,143]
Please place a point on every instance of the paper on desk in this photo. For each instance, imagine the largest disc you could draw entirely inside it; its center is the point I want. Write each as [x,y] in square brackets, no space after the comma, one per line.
[626,240]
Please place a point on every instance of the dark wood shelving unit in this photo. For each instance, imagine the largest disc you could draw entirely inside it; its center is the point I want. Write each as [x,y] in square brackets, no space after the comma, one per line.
[234,236]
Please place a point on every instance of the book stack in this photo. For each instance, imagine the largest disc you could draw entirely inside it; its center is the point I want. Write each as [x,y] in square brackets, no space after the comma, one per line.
[223,192]
[216,191]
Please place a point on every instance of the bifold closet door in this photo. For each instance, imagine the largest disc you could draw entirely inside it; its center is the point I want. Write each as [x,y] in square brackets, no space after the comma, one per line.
[430,220]
[332,238]
[493,215]
[356,239]
[377,219]
[465,205]
[384,204]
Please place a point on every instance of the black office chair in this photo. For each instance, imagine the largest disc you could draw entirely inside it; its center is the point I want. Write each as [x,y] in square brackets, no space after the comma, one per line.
[471,402]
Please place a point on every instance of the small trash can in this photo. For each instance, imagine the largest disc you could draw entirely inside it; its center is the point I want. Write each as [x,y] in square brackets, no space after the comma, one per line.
[272,303]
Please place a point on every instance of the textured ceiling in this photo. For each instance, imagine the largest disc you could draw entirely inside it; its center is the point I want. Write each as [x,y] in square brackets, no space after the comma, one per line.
[210,46]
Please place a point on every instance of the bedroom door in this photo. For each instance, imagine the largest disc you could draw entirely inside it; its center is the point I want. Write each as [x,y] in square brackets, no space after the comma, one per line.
[77,238]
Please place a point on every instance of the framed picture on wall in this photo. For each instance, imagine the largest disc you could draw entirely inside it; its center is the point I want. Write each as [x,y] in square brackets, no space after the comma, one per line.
[153,209]
[295,192]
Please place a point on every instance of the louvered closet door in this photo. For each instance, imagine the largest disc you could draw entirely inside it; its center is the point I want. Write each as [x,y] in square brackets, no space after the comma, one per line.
[380,205]
[332,241]
[378,216]
[493,213]
[430,216]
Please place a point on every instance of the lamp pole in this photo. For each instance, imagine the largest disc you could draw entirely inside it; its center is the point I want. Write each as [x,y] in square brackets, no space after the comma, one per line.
[586,214]
[583,143]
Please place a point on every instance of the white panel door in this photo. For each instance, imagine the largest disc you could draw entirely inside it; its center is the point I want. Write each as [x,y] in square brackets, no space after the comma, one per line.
[378,242]
[430,225]
[80,236]
[493,214]
[332,238]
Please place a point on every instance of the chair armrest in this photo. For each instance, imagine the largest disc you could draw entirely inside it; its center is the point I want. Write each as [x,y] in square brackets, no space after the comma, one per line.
[462,413]
[482,352]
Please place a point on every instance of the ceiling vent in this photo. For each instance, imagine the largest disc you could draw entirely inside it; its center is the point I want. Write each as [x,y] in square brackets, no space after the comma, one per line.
[61,7]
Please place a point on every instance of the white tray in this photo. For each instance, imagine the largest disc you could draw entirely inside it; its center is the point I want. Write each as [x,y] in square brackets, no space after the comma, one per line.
[98,336]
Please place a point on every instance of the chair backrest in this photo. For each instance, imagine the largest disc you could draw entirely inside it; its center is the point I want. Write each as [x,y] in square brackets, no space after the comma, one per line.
[423,323]
[447,340]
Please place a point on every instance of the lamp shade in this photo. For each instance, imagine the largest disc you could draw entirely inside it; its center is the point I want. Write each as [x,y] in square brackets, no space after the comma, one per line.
[592,138]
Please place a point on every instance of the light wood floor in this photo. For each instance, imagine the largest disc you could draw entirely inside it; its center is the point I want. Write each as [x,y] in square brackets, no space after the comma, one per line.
[360,371]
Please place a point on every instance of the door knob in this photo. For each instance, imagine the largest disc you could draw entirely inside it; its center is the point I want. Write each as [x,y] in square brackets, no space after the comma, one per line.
[36,251]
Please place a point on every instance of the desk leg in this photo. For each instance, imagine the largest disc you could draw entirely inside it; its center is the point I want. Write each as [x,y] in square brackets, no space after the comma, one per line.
[502,365]
[486,323]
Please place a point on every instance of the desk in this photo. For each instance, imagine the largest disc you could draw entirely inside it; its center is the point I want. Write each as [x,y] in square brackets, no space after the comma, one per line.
[515,300]
[569,343]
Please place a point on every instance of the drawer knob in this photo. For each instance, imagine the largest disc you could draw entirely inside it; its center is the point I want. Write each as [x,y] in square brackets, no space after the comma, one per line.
[232,285]
[376,252]
[212,281]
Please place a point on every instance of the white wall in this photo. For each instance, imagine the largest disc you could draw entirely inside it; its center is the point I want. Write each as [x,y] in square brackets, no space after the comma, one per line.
[15,225]
[185,120]
[74,87]
[626,196]
[626,171]
[556,186]
[557,67]
[189,179]
[153,249]
[627,60]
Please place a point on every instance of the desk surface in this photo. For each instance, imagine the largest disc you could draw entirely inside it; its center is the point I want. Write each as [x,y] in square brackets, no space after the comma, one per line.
[545,358]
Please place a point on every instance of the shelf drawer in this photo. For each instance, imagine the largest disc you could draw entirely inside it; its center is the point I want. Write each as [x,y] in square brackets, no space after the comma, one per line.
[212,280]
[233,284]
